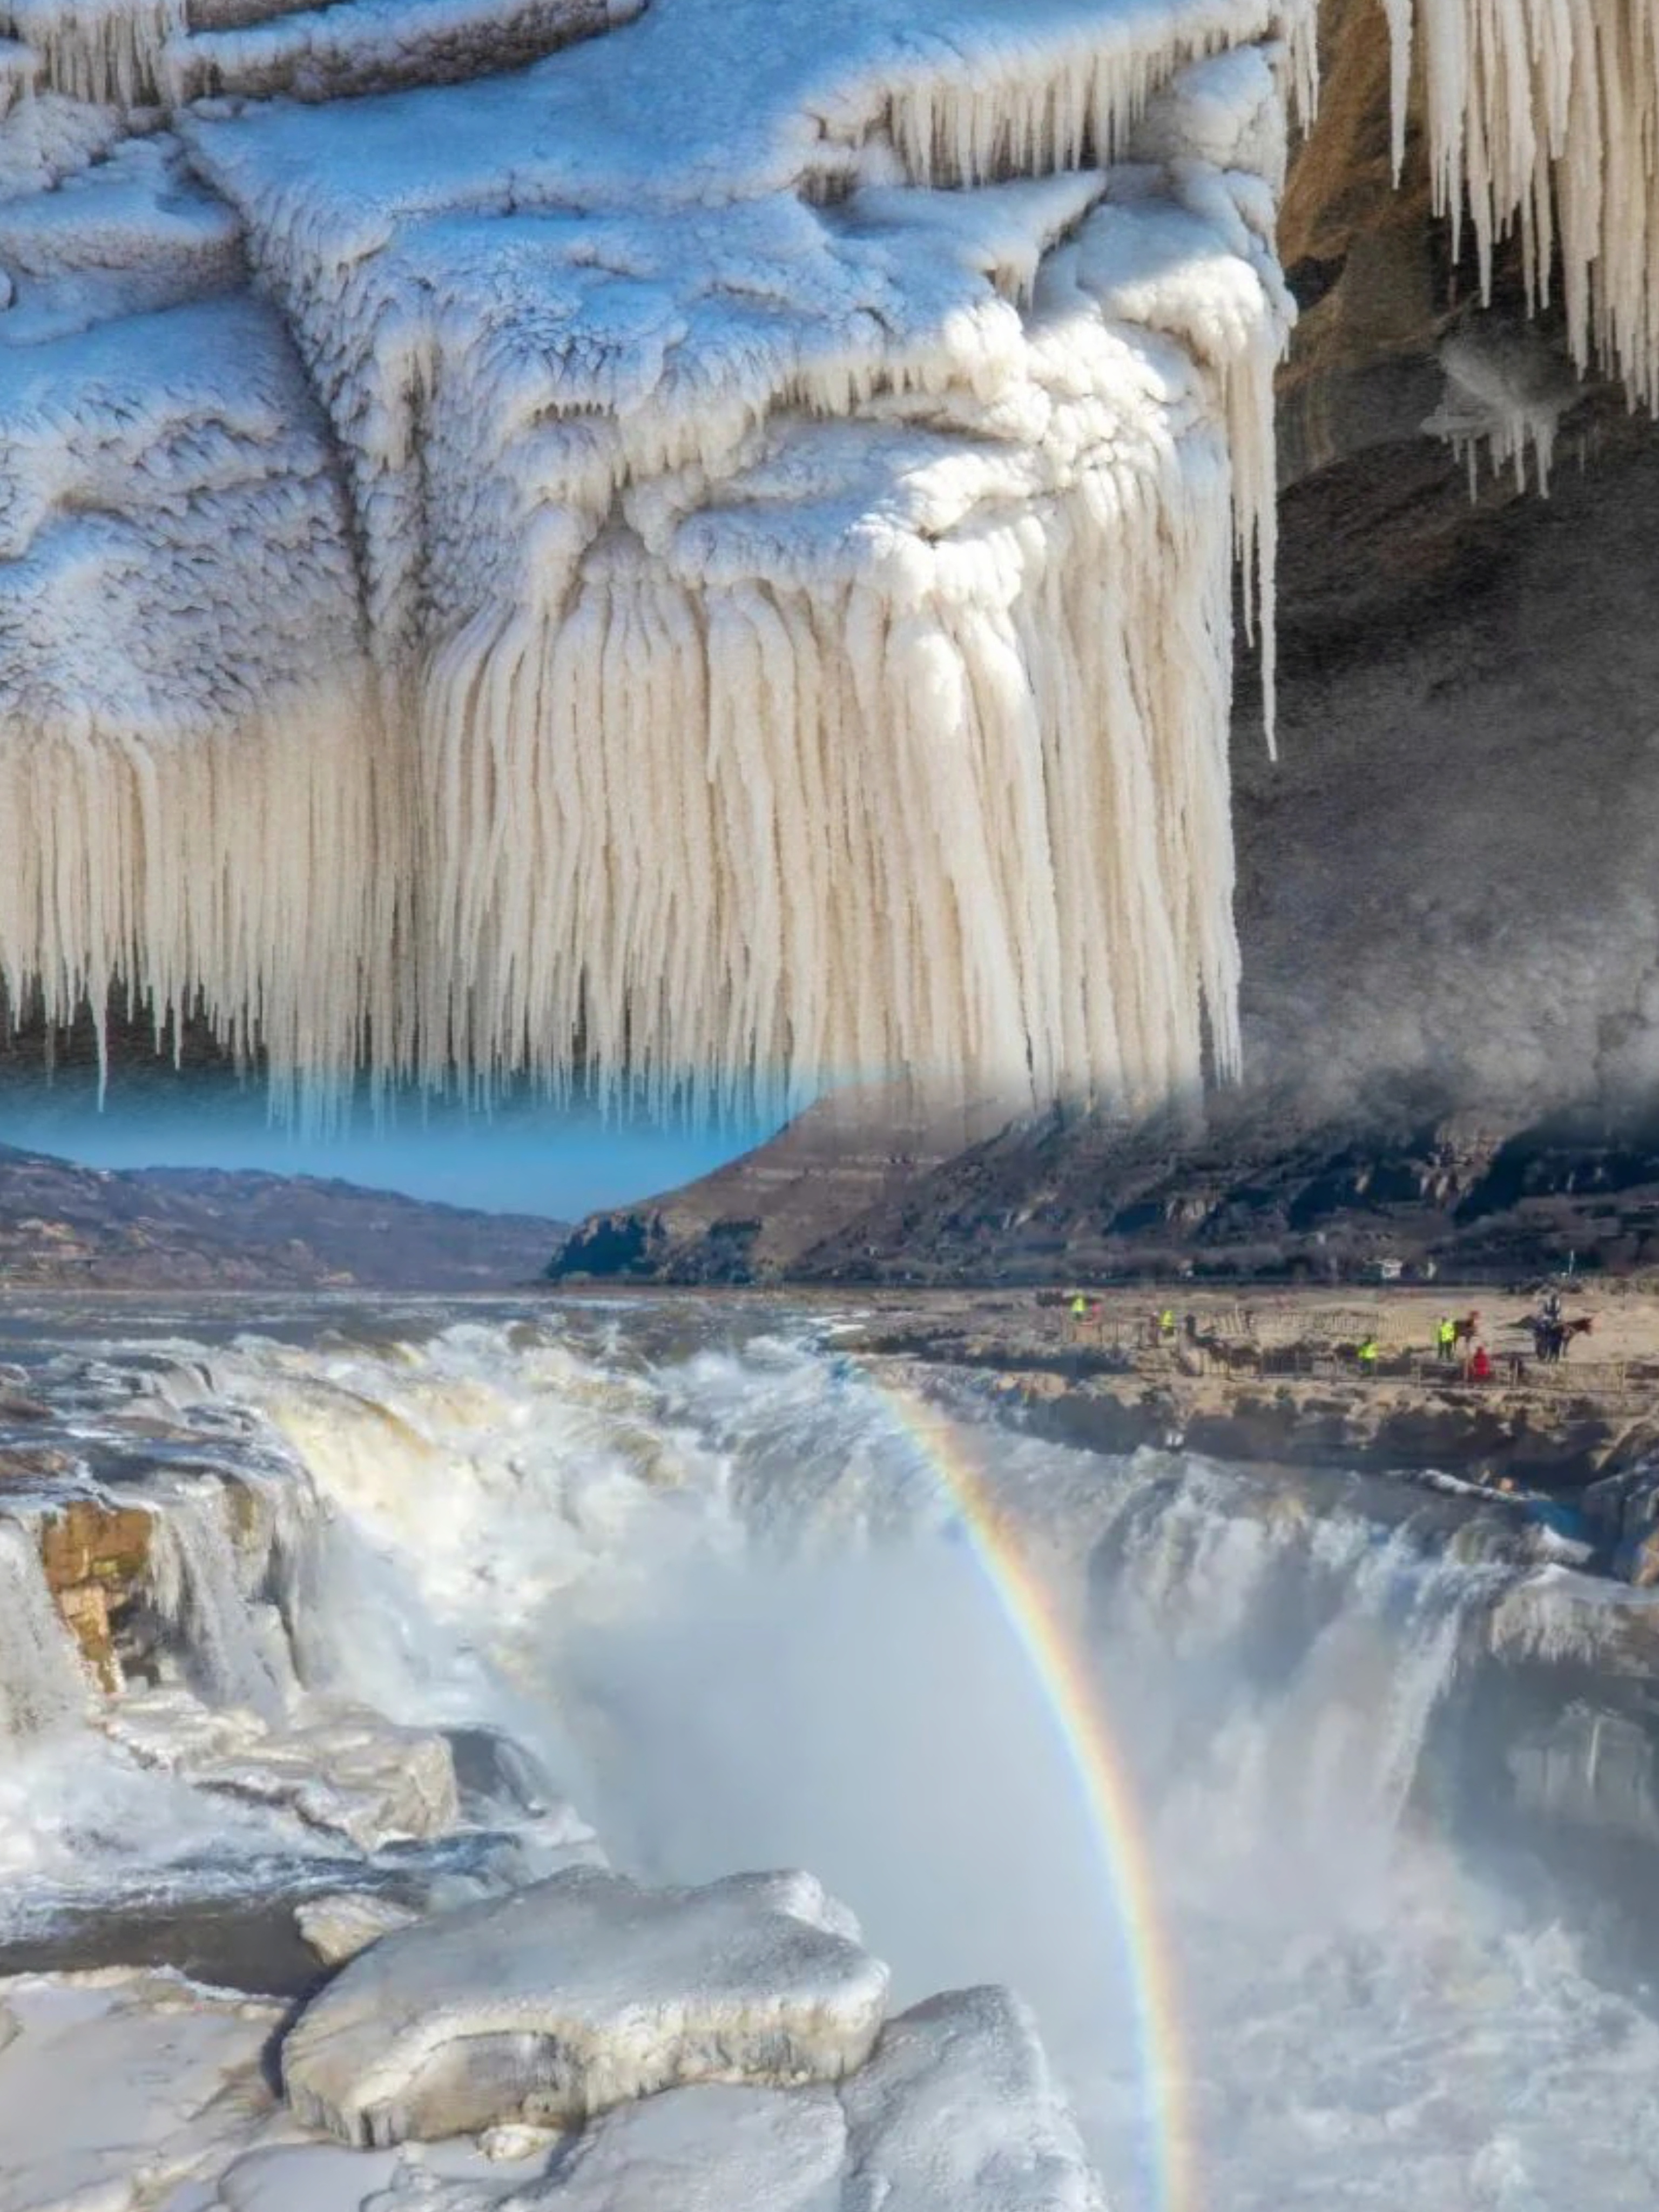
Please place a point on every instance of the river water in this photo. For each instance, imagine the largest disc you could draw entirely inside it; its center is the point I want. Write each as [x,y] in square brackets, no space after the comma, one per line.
[689,1583]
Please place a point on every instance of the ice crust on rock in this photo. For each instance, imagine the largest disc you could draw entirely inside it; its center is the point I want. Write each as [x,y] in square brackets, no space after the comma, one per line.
[792,556]
[345,1773]
[804,572]
[192,776]
[122,2089]
[579,1993]
[707,2149]
[371,45]
[754,603]
[117,2087]
[957,2113]
[1506,389]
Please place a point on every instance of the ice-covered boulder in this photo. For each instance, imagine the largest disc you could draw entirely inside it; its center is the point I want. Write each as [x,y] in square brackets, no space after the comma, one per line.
[957,2113]
[954,2112]
[578,1994]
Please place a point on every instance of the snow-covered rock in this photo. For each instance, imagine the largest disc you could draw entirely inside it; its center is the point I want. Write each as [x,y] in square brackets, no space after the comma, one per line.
[115,2086]
[347,1772]
[707,2149]
[957,2113]
[580,1993]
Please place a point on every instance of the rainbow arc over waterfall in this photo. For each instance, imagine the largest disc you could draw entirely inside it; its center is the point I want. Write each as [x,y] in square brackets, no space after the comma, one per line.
[1101,1775]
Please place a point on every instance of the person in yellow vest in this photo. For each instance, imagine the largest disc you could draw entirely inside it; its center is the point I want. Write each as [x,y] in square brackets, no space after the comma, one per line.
[1166,1328]
[1366,1355]
[1446,1337]
[1079,1313]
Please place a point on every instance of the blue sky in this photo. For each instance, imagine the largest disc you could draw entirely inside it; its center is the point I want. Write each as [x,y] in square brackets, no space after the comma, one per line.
[528,1157]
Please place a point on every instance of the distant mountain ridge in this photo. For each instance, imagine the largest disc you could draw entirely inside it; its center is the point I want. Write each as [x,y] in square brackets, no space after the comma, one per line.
[1260,1195]
[65,1226]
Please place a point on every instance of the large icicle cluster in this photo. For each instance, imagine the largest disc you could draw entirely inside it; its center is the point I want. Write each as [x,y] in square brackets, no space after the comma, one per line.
[775,620]
[1546,114]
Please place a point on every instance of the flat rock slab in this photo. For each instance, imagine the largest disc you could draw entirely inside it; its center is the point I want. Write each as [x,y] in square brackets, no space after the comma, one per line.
[114,2086]
[579,1994]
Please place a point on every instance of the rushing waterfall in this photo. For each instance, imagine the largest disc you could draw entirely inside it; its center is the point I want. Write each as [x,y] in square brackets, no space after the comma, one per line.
[42,1687]
[426,1594]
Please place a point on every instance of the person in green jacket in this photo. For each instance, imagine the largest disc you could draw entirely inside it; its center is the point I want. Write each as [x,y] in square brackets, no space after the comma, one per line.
[1366,1355]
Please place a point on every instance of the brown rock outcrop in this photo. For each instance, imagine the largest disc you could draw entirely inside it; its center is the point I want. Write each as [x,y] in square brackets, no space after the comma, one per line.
[1362,257]
[96,1556]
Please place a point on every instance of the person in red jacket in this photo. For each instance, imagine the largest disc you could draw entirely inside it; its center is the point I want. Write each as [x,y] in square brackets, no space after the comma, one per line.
[1480,1365]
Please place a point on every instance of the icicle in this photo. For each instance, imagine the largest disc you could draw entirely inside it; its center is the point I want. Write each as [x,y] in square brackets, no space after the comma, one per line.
[106,52]
[196,1589]
[800,621]
[253,873]
[1546,114]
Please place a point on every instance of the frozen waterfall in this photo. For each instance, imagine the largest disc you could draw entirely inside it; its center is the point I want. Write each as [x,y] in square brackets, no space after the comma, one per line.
[704,562]
[707,562]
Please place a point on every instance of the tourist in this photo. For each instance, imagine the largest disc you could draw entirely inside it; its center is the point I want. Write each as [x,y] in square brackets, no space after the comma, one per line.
[1480,1365]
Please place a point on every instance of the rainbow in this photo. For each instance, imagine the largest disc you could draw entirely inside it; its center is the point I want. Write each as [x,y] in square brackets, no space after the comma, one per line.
[1101,1777]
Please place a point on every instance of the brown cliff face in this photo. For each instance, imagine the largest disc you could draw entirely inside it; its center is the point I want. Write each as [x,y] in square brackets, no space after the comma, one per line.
[751,1220]
[1363,259]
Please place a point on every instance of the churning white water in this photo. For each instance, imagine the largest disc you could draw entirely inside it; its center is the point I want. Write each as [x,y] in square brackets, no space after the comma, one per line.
[686,1569]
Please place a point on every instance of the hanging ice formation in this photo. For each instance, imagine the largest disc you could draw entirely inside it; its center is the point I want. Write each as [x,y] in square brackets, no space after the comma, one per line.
[771,617]
[1543,116]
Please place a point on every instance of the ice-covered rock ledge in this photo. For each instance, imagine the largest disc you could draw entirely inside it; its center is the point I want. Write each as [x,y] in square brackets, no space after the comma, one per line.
[136,2090]
[756,598]
[579,1993]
